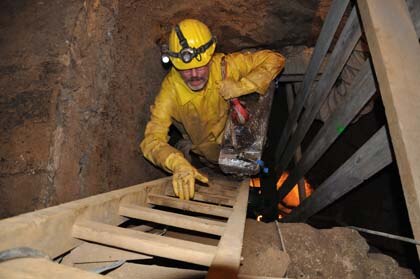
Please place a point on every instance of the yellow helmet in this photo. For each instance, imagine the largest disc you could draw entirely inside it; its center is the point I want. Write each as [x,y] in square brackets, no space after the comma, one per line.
[191,45]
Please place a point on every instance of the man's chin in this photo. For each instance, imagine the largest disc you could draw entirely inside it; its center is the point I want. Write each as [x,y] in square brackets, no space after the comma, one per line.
[196,87]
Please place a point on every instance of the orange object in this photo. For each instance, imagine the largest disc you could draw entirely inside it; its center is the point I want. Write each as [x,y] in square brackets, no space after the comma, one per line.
[292,199]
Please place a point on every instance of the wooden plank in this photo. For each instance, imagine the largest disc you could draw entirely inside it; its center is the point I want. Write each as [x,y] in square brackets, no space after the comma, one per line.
[39,268]
[144,243]
[173,219]
[91,253]
[395,53]
[192,206]
[345,45]
[211,190]
[207,196]
[49,229]
[144,271]
[298,154]
[362,89]
[244,276]
[328,30]
[373,156]
[214,198]
[228,256]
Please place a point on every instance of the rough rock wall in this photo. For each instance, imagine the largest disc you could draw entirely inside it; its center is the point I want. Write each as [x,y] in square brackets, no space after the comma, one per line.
[77,79]
[33,55]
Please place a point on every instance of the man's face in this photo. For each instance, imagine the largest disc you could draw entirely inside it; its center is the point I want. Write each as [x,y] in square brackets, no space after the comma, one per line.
[196,78]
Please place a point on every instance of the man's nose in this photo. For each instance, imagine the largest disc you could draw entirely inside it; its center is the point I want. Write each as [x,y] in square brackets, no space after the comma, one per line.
[194,72]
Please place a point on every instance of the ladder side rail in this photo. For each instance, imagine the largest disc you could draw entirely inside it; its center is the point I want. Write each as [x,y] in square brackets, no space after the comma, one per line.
[227,259]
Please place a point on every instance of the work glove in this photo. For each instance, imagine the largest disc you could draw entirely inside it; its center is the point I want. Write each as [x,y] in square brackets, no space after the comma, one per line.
[230,88]
[184,176]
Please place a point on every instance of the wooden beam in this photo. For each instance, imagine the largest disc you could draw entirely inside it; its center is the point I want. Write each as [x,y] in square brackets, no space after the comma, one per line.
[192,206]
[173,219]
[39,268]
[345,45]
[395,52]
[298,154]
[151,244]
[362,89]
[328,30]
[227,260]
[373,156]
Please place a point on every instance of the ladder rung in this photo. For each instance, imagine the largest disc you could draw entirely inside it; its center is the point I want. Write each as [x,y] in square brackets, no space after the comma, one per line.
[151,244]
[212,190]
[212,198]
[208,196]
[172,219]
[192,206]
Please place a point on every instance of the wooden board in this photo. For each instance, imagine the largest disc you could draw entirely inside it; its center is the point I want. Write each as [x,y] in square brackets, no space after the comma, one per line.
[37,268]
[373,156]
[173,219]
[192,206]
[362,89]
[326,36]
[345,45]
[91,252]
[395,52]
[144,243]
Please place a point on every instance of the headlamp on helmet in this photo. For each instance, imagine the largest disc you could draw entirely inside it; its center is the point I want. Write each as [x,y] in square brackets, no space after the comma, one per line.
[187,53]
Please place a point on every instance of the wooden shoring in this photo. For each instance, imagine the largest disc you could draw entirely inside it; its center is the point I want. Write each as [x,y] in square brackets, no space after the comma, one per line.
[227,259]
[298,154]
[373,156]
[345,45]
[395,51]
[326,36]
[362,89]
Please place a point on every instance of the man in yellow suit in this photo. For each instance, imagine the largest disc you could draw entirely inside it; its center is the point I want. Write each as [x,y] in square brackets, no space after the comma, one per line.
[195,94]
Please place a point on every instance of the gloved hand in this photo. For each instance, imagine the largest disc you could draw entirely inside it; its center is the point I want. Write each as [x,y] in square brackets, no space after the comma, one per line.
[184,175]
[230,88]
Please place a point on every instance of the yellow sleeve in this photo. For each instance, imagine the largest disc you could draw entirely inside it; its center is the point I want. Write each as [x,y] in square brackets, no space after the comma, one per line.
[155,145]
[254,71]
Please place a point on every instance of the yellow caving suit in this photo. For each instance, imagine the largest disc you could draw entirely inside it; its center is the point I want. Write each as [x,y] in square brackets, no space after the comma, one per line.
[203,113]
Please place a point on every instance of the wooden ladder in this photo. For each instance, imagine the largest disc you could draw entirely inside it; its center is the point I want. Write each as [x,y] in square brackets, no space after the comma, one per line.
[220,210]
